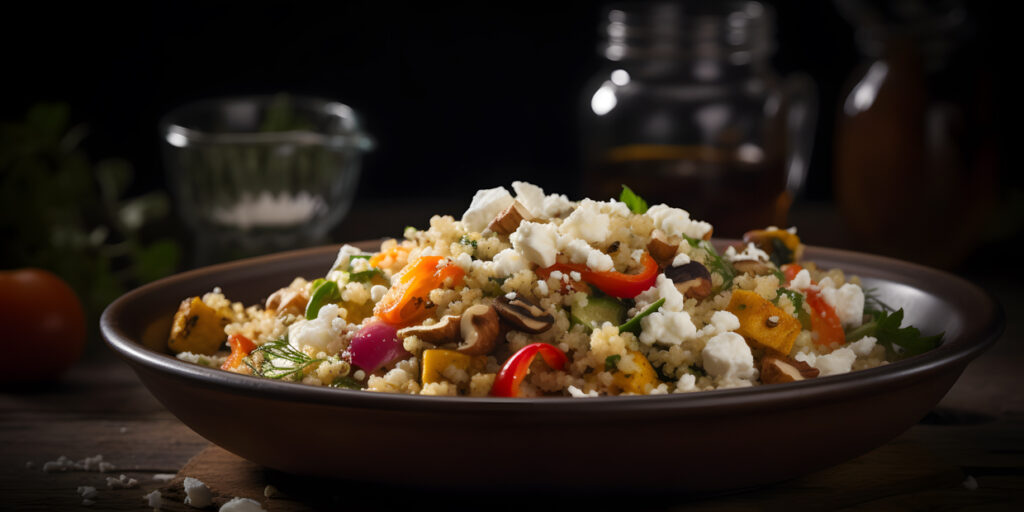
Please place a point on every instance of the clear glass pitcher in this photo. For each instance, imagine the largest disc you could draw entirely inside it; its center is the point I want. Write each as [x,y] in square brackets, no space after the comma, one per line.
[688,111]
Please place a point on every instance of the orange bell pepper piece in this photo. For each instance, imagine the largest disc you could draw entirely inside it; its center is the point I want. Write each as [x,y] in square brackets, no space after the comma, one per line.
[240,347]
[406,302]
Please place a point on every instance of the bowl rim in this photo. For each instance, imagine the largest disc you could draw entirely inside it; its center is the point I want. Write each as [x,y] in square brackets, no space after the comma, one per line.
[965,347]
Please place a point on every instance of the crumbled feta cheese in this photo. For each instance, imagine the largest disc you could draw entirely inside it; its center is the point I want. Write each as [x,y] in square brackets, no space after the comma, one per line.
[663,288]
[377,292]
[575,276]
[163,477]
[721,321]
[508,262]
[667,327]
[687,383]
[197,494]
[464,261]
[680,259]
[557,274]
[750,253]
[728,359]
[344,257]
[847,300]
[863,346]
[121,482]
[579,251]
[839,361]
[542,287]
[241,505]
[153,500]
[510,295]
[637,255]
[213,361]
[801,281]
[87,491]
[486,205]
[579,393]
[538,243]
[319,332]
[676,222]
[587,222]
[63,463]
[531,197]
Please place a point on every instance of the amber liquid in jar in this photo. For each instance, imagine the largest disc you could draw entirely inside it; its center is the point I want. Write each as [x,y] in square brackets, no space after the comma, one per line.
[712,184]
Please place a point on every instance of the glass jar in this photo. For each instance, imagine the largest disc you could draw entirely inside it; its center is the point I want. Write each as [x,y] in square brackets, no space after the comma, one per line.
[689,112]
[915,172]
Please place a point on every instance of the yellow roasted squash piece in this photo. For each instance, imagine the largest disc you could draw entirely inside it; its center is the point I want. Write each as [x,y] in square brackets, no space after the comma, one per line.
[197,328]
[436,360]
[763,322]
[639,381]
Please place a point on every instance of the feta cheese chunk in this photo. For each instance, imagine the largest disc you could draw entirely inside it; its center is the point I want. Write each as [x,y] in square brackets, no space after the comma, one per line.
[863,346]
[486,205]
[540,206]
[839,361]
[587,222]
[663,288]
[728,359]
[847,300]
[241,505]
[721,321]
[538,243]
[801,281]
[508,262]
[344,257]
[324,330]
[579,251]
[677,222]
[667,328]
[750,253]
[197,494]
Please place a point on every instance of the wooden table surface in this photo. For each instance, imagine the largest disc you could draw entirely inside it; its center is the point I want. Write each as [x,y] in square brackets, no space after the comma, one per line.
[968,453]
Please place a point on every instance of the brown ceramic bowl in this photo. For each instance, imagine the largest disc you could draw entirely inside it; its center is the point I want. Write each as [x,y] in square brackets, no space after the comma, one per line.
[704,441]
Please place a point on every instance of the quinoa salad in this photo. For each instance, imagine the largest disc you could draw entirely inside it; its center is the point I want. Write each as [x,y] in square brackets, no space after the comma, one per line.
[530,294]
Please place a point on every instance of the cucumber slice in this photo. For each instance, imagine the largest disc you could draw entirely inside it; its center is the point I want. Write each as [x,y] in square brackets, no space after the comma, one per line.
[598,311]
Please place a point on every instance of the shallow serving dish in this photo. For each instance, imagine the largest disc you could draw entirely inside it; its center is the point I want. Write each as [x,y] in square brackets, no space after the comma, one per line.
[701,441]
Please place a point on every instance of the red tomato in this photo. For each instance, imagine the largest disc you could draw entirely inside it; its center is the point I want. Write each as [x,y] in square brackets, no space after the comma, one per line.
[42,325]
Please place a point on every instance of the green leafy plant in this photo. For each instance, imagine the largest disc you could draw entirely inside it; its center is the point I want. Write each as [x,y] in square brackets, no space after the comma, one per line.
[635,203]
[67,214]
[280,361]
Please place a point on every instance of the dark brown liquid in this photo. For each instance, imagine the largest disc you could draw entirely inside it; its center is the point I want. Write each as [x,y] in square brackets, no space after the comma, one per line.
[734,196]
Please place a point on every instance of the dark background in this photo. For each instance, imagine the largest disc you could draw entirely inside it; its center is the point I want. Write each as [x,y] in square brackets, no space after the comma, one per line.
[460,90]
[458,95]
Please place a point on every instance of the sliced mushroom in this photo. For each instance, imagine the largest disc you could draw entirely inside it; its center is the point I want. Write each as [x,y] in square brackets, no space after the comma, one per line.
[446,330]
[506,222]
[775,370]
[755,267]
[480,328]
[523,315]
[662,249]
[287,300]
[691,279]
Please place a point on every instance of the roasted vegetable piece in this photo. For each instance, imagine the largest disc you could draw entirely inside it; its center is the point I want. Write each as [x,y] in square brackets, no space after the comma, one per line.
[781,245]
[435,361]
[406,302]
[639,381]
[197,328]
[514,371]
[240,347]
[763,322]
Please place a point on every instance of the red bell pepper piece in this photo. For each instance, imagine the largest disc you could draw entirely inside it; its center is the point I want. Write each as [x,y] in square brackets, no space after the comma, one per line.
[507,382]
[240,347]
[790,270]
[824,319]
[616,284]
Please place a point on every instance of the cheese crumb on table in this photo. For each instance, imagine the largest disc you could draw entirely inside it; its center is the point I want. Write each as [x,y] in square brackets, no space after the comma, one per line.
[241,505]
[197,494]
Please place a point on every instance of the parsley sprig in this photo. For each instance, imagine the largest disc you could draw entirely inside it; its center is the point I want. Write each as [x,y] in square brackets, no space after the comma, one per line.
[898,341]
[635,203]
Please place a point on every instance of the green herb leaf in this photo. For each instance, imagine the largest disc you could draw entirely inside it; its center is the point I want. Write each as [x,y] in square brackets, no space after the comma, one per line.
[900,341]
[346,382]
[280,360]
[797,299]
[466,240]
[365,276]
[325,293]
[633,325]
[635,203]
[780,254]
[611,362]
[715,262]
